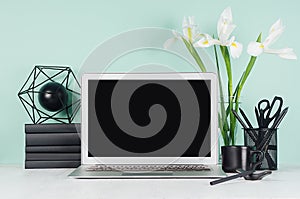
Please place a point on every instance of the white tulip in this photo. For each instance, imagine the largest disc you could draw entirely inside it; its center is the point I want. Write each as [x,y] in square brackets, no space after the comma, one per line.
[190,29]
[225,27]
[190,32]
[257,48]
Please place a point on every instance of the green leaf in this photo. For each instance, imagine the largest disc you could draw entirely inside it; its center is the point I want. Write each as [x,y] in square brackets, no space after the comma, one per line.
[246,73]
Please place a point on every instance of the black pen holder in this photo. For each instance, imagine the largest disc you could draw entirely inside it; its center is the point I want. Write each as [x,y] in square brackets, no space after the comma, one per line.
[263,139]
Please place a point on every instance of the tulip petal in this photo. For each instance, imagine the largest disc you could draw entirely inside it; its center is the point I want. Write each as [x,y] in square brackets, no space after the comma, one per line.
[228,42]
[191,20]
[176,34]
[170,42]
[187,33]
[203,43]
[227,14]
[186,28]
[225,25]
[236,49]
[290,55]
[184,22]
[273,37]
[285,53]
[189,28]
[225,32]
[276,26]
[225,17]
[188,22]
[198,36]
[255,48]
[207,41]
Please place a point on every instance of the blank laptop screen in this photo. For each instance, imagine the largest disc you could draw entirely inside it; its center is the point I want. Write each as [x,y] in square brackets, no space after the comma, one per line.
[149,118]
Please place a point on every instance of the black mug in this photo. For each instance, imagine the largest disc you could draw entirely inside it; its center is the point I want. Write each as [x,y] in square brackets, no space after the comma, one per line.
[239,157]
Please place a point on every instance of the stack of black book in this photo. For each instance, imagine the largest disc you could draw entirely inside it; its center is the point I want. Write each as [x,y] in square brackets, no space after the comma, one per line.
[52,146]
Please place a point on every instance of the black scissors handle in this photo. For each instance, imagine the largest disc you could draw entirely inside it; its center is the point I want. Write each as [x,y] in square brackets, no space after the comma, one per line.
[264,116]
[277,113]
[260,103]
[263,107]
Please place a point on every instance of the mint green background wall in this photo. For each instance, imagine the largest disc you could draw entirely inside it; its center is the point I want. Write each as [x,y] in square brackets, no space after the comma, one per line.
[64,32]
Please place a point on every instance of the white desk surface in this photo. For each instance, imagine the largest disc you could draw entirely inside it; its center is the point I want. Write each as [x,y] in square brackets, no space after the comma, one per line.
[15,182]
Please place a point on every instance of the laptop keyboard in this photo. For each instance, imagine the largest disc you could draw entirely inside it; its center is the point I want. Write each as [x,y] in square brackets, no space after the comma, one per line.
[154,167]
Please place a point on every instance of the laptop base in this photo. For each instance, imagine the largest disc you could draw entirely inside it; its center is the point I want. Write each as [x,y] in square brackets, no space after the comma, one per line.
[82,173]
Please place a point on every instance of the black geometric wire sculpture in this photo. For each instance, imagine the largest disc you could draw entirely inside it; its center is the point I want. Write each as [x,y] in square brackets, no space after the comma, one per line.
[51,93]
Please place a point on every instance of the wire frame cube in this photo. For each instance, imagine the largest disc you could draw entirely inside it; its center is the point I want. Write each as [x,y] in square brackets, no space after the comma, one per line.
[40,76]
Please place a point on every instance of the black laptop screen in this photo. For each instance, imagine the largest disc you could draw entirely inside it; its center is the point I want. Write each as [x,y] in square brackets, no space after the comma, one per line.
[149,118]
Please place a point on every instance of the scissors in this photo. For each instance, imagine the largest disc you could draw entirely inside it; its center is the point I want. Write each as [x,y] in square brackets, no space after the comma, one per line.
[267,112]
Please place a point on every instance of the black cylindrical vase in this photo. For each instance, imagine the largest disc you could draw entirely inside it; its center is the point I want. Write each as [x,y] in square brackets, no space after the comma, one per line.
[238,157]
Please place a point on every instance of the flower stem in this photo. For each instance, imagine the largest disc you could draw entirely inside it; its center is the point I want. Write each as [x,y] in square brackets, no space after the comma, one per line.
[194,53]
[245,75]
[223,124]
[226,57]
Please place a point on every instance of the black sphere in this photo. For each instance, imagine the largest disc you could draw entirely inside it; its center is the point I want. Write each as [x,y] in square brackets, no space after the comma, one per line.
[53,96]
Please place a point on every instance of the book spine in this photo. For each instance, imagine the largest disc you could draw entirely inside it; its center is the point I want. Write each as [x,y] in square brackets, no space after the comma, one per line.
[52,149]
[52,156]
[51,164]
[52,139]
[52,128]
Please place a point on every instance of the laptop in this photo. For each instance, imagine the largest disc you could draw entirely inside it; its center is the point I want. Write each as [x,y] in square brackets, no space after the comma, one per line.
[158,125]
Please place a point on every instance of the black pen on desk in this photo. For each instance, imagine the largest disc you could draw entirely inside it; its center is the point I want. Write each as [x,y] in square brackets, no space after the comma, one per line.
[225,179]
